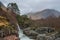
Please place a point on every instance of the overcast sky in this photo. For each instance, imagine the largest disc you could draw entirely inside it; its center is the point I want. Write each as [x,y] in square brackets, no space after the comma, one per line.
[27,6]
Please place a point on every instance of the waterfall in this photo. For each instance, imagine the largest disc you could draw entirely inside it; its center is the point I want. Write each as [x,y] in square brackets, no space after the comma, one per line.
[21,35]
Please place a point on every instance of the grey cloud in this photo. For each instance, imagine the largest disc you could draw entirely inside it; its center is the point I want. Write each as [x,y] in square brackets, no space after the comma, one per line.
[26,6]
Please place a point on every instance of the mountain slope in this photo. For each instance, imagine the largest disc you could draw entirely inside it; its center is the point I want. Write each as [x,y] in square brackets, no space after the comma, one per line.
[10,15]
[44,14]
[8,22]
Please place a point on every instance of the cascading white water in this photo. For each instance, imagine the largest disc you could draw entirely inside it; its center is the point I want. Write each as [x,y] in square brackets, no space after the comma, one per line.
[21,35]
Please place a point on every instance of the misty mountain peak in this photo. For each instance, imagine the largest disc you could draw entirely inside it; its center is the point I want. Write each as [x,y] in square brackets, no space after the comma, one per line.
[48,9]
[44,14]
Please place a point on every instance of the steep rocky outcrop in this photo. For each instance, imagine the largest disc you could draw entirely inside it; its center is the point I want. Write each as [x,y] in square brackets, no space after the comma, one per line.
[8,24]
[10,15]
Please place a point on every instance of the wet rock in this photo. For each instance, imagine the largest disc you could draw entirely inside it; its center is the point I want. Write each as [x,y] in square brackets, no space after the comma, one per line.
[11,37]
[30,34]
[44,30]
[1,38]
[26,32]
[57,39]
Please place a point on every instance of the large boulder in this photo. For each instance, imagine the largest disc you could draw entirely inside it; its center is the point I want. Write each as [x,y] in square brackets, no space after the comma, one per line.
[30,33]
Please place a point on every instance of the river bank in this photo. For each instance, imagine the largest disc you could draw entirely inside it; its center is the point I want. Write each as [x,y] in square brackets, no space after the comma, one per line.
[11,37]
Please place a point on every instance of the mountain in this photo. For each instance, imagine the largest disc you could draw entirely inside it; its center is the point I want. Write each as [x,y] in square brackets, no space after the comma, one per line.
[44,14]
[8,23]
[10,15]
[14,7]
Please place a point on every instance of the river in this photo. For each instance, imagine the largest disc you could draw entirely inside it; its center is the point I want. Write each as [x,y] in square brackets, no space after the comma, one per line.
[21,35]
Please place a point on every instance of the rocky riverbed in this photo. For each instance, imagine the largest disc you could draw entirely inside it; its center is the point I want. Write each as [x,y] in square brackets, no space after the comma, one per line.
[43,33]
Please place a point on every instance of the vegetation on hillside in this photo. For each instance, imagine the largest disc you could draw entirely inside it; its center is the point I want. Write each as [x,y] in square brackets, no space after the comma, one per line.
[5,27]
[23,21]
[49,22]
[8,20]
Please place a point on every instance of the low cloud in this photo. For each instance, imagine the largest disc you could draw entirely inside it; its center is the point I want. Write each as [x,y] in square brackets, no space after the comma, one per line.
[27,6]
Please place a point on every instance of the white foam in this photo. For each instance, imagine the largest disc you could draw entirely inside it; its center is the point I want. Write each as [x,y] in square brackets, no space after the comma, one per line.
[21,35]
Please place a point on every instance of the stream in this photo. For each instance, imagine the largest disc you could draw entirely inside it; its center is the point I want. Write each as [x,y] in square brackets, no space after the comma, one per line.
[21,35]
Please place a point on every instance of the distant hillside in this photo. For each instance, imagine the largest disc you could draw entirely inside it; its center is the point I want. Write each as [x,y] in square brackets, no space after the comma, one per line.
[44,14]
